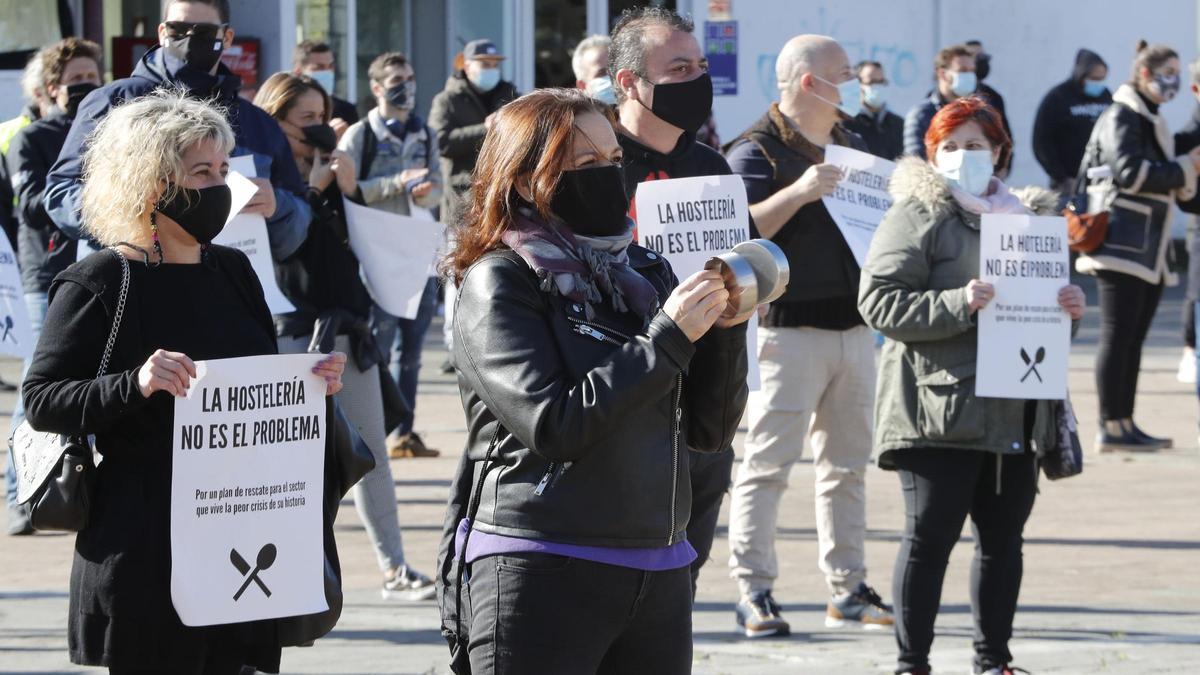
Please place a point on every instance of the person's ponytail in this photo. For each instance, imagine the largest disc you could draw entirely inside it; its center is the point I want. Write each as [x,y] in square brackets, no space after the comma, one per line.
[1150,57]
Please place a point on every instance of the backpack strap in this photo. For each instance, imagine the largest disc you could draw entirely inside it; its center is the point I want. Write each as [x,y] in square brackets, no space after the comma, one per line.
[370,150]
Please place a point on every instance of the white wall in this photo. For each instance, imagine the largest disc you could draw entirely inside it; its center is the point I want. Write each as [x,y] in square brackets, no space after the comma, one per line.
[1033,43]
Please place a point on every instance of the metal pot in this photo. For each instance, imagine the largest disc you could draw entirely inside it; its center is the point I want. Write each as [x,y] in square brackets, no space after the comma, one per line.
[755,272]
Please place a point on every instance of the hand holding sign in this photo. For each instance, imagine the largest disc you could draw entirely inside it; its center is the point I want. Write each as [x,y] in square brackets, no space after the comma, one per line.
[979,294]
[818,181]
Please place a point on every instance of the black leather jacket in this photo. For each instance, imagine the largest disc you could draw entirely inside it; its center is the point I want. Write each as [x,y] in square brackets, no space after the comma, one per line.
[595,416]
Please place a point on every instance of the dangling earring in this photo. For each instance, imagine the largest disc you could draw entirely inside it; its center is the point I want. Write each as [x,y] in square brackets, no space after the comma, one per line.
[154,235]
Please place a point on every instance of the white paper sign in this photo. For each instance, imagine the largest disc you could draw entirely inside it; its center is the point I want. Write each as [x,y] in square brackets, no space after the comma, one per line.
[690,220]
[394,252]
[16,336]
[247,485]
[861,199]
[248,233]
[1024,335]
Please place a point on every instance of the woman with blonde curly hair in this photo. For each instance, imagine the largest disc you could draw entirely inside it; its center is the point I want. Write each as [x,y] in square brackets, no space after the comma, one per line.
[155,194]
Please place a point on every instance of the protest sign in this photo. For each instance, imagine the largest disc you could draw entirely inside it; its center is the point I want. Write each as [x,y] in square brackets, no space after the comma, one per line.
[1024,335]
[858,203]
[247,232]
[16,335]
[690,220]
[394,253]
[247,485]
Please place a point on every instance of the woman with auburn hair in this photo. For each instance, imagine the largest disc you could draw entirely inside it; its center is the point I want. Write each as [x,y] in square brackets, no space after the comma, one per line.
[154,192]
[585,372]
[956,454]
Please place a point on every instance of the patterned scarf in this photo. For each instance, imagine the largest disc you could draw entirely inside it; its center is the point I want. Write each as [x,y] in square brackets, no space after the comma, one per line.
[585,270]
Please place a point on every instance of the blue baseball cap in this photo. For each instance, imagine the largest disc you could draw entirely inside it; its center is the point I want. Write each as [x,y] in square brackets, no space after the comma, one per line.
[478,49]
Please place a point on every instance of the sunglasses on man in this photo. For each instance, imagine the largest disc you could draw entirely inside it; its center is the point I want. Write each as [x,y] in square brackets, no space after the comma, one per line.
[200,31]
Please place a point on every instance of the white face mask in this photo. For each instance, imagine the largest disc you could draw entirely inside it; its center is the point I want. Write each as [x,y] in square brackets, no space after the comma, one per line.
[601,89]
[875,95]
[849,92]
[970,170]
[963,84]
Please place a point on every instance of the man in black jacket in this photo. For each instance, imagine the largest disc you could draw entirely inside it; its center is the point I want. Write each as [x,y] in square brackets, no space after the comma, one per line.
[657,65]
[881,129]
[816,355]
[316,60]
[192,37]
[1065,119]
[461,115]
[70,71]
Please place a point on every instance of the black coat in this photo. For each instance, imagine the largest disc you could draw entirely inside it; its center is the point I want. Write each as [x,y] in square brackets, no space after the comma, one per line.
[42,249]
[457,115]
[588,404]
[883,133]
[1147,176]
[120,608]
[1064,123]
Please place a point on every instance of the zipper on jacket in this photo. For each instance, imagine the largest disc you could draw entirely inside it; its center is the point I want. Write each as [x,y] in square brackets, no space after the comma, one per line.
[549,476]
[592,330]
[675,453]
[545,481]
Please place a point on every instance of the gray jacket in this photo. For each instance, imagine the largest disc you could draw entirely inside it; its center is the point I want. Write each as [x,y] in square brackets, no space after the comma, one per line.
[923,254]
[381,188]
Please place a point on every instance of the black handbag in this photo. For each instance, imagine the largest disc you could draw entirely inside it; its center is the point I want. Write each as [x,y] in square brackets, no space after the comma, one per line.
[54,472]
[1065,457]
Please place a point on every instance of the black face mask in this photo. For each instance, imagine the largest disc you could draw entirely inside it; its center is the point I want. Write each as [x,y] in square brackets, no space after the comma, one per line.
[401,96]
[983,65]
[75,95]
[321,137]
[684,105]
[200,54]
[201,213]
[592,201]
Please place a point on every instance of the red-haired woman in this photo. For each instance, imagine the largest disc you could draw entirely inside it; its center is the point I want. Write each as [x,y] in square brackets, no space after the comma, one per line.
[585,372]
[957,455]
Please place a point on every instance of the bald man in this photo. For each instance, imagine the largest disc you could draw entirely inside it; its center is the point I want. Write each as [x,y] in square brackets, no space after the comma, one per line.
[816,355]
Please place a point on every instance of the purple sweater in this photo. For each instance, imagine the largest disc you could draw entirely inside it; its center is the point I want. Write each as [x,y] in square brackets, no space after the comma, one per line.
[483,544]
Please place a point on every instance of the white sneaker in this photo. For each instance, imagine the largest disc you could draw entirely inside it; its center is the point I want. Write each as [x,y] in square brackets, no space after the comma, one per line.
[409,584]
[1187,367]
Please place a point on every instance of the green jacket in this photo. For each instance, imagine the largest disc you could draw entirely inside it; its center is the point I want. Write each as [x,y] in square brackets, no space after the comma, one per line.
[924,253]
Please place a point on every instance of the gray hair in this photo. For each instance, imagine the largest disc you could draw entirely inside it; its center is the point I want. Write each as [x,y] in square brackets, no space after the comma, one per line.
[589,43]
[628,48]
[31,77]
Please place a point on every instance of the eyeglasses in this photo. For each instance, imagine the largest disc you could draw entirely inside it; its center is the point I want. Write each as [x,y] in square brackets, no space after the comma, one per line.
[200,31]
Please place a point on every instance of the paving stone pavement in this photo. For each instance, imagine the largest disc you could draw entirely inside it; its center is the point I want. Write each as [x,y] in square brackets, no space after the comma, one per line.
[1111,583]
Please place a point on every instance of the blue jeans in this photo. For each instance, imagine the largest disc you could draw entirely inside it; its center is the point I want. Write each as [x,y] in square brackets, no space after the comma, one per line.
[401,341]
[37,304]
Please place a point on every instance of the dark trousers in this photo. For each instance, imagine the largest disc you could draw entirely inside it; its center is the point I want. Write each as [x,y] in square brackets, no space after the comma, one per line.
[711,473]
[543,613]
[941,487]
[1127,306]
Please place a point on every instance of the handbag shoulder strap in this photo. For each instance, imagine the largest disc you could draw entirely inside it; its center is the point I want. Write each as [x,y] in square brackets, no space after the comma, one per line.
[120,312]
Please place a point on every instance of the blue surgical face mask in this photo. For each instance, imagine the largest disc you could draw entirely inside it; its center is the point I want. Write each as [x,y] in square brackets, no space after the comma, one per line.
[970,170]
[325,78]
[875,95]
[485,79]
[601,89]
[849,91]
[1094,88]
[963,84]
